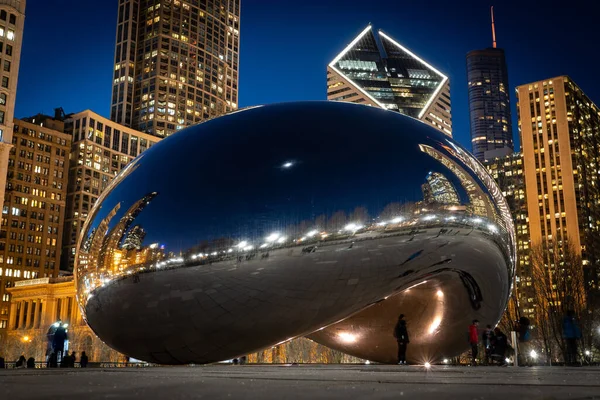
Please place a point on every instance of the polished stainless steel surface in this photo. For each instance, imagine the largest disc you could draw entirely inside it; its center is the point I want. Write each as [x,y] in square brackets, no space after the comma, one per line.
[320,218]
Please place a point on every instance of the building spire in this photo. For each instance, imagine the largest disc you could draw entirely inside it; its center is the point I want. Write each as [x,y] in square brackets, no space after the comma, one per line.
[493,29]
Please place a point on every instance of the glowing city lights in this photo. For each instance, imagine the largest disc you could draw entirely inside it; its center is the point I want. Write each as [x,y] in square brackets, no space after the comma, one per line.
[352,227]
[397,220]
[435,325]
[414,286]
[281,239]
[533,354]
[347,337]
[242,244]
[288,164]
[427,365]
[273,237]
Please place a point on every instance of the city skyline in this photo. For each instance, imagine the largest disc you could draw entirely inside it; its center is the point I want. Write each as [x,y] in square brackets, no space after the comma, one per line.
[297,54]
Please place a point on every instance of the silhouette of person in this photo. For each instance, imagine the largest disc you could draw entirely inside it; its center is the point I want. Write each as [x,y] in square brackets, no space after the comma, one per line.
[401,335]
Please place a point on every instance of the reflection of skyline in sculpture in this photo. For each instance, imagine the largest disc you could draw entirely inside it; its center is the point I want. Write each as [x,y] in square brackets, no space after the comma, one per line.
[134,238]
[222,284]
[479,202]
[103,249]
[439,190]
[111,255]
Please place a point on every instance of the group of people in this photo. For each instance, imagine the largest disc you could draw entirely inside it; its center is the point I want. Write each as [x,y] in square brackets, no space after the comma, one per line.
[66,361]
[495,344]
[494,341]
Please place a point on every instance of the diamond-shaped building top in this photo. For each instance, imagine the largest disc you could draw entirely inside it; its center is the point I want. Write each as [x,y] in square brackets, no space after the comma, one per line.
[388,75]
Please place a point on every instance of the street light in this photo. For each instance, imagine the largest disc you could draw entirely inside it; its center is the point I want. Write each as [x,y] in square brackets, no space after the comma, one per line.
[533,354]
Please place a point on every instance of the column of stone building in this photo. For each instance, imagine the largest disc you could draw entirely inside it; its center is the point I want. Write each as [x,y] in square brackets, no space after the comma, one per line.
[38,313]
[13,316]
[50,313]
[30,313]
[74,311]
[21,323]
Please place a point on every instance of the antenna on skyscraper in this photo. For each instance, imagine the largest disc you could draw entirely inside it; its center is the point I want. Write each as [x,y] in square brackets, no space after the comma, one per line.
[493,29]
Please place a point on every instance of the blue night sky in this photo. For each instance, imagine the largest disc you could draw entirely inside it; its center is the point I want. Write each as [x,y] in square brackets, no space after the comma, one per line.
[286,44]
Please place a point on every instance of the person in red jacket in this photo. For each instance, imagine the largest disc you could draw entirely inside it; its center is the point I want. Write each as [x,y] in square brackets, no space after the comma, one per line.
[474,340]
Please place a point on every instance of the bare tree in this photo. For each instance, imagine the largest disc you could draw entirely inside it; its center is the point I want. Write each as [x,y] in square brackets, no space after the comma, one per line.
[359,215]
[558,287]
[337,221]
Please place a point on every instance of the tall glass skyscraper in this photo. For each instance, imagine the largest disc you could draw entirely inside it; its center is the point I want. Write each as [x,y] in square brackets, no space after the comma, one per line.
[176,63]
[489,102]
[392,78]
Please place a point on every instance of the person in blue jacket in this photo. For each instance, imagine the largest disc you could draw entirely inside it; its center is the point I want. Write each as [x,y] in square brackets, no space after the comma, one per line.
[571,334]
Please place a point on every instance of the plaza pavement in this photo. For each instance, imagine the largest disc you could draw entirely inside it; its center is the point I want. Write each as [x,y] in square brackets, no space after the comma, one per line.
[303,382]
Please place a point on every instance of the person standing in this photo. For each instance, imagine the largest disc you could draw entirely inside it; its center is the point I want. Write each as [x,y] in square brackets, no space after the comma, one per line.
[486,338]
[474,341]
[571,334]
[401,335]
[524,338]
[83,360]
[499,345]
[58,341]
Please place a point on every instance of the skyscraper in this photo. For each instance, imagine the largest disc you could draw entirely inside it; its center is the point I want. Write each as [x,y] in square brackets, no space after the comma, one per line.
[12,20]
[393,78]
[560,139]
[176,63]
[34,205]
[489,100]
[508,173]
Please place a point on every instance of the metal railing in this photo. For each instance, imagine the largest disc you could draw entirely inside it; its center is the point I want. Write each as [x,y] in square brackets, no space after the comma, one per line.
[101,364]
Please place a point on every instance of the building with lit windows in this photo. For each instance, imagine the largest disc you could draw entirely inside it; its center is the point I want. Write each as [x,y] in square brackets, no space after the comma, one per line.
[176,63]
[439,190]
[507,171]
[395,79]
[560,140]
[489,101]
[12,20]
[101,149]
[38,303]
[34,206]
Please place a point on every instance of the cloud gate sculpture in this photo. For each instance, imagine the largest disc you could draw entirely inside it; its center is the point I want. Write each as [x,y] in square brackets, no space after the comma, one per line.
[317,219]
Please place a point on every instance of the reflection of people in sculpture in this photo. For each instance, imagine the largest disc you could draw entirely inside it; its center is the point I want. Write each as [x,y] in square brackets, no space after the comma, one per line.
[58,342]
[401,335]
[474,341]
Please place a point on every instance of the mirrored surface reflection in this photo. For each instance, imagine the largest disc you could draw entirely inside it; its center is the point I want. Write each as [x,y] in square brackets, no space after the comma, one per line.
[319,218]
